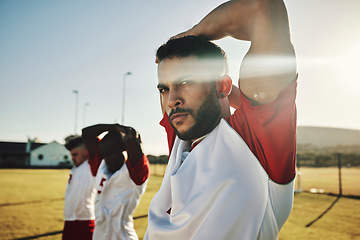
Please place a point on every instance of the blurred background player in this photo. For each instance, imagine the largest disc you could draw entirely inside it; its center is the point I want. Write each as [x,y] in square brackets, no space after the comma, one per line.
[80,192]
[120,180]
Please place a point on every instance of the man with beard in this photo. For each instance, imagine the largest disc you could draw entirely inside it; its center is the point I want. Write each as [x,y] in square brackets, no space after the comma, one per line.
[229,176]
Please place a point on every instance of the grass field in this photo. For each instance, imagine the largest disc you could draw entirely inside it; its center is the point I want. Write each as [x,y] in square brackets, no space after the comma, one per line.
[328,180]
[31,205]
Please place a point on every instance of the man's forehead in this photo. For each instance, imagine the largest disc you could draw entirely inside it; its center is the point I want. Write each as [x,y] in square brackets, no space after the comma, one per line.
[189,68]
[74,151]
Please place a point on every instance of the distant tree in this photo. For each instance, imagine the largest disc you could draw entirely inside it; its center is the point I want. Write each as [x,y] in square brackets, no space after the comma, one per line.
[162,159]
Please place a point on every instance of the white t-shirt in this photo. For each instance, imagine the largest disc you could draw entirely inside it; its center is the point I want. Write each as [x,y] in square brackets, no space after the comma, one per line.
[116,199]
[80,194]
[219,191]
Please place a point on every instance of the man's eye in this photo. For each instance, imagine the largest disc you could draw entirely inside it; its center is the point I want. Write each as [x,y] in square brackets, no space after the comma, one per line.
[163,90]
[184,83]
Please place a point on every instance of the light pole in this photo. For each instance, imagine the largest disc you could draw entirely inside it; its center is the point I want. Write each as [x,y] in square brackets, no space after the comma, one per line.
[85,105]
[123,100]
[76,109]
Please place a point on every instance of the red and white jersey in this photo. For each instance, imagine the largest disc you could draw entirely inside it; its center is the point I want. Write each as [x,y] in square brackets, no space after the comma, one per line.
[80,194]
[116,199]
[237,183]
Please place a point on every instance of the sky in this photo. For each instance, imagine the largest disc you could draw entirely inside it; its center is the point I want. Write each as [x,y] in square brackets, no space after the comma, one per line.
[48,49]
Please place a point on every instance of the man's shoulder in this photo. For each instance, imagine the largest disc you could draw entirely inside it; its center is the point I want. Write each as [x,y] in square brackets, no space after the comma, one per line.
[83,168]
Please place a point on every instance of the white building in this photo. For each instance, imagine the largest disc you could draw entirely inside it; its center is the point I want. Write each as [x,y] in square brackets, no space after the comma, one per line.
[50,155]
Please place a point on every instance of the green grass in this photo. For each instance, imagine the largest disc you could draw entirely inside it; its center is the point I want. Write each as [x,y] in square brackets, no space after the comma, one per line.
[31,204]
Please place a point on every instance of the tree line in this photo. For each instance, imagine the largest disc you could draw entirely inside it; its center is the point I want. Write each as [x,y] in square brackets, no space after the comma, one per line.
[312,156]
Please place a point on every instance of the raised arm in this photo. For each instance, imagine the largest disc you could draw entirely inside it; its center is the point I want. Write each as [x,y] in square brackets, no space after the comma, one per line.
[131,139]
[90,136]
[270,65]
[228,19]
[139,168]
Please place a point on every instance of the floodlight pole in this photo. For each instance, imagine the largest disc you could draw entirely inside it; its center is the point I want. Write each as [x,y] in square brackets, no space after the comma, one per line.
[76,109]
[123,100]
[85,105]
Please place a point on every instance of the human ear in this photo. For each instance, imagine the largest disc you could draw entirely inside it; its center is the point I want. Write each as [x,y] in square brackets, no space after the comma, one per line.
[223,86]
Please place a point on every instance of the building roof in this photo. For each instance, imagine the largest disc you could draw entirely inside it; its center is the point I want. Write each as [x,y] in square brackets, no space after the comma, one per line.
[17,147]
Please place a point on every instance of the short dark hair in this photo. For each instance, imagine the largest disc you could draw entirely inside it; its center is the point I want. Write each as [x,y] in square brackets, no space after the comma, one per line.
[191,46]
[73,141]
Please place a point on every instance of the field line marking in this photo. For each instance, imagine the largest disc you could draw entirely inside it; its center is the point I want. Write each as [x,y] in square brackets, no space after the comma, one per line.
[30,202]
[39,236]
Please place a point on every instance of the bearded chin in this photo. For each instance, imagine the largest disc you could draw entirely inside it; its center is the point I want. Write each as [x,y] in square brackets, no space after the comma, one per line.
[206,119]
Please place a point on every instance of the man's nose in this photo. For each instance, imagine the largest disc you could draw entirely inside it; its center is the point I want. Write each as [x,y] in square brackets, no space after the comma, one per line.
[174,99]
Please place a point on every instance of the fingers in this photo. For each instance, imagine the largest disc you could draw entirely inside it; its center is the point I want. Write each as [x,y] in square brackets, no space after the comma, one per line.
[180,35]
[129,133]
[186,33]
[132,133]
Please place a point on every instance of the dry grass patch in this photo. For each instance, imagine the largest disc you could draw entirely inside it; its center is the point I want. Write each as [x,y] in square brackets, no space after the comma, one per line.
[341,221]
[42,193]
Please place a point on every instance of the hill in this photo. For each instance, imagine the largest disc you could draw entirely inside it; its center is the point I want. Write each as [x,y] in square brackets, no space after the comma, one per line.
[322,137]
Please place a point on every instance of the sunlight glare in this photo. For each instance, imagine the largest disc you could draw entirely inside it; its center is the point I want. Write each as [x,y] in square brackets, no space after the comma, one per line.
[260,65]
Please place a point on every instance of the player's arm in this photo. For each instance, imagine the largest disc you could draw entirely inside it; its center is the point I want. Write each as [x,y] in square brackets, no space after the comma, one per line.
[132,141]
[139,167]
[269,66]
[90,136]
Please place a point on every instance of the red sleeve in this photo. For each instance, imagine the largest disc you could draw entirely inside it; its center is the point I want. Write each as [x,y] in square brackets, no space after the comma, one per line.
[140,172]
[270,132]
[94,163]
[169,131]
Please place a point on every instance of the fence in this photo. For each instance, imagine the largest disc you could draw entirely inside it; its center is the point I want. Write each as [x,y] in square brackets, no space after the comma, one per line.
[337,174]
[158,169]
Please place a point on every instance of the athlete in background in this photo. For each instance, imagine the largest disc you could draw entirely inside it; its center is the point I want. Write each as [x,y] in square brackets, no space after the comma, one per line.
[120,180]
[80,192]
[229,176]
